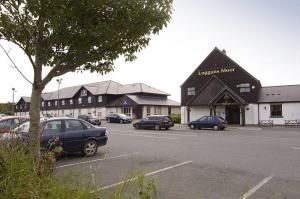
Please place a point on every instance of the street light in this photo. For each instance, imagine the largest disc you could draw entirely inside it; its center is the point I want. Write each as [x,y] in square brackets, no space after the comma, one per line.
[13,100]
[58,85]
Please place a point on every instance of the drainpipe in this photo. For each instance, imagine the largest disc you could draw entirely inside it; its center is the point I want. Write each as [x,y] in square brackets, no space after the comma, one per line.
[188,113]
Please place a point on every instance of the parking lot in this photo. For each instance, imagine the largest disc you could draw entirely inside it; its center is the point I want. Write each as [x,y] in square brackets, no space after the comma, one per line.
[248,162]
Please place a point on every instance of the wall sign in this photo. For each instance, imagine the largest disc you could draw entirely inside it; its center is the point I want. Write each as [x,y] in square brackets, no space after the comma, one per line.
[216,71]
[83,93]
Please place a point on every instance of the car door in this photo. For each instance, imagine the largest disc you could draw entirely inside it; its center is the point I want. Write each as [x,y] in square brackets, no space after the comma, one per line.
[145,122]
[73,135]
[210,122]
[202,122]
[51,135]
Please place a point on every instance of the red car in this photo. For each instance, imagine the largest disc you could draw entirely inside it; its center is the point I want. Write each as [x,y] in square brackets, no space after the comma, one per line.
[11,122]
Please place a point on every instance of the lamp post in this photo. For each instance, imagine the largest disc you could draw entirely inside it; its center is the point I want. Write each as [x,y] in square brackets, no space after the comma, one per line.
[58,85]
[13,100]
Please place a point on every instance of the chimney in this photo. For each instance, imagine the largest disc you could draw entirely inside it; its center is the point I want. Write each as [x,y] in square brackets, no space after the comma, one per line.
[224,51]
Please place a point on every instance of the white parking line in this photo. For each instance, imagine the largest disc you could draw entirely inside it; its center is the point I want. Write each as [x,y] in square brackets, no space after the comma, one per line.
[162,133]
[100,159]
[148,174]
[147,136]
[256,187]
[296,148]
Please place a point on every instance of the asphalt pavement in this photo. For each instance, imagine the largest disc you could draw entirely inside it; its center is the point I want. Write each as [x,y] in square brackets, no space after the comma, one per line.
[247,162]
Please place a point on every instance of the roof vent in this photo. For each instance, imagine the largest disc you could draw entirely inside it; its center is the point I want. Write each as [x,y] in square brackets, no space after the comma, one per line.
[224,51]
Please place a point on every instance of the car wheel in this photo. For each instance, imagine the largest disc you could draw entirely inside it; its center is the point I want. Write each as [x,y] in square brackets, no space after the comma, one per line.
[90,148]
[137,126]
[157,127]
[216,127]
[193,126]
[121,121]
[167,128]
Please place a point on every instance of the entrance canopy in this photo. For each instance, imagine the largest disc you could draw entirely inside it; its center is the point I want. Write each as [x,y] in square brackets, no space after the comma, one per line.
[214,93]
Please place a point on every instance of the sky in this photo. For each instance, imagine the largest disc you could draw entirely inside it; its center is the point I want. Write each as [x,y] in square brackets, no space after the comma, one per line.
[261,36]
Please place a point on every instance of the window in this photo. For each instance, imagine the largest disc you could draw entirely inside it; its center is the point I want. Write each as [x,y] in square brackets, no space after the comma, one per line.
[79,100]
[100,98]
[276,110]
[191,91]
[126,111]
[49,103]
[63,102]
[43,104]
[52,127]
[5,124]
[55,102]
[148,110]
[245,90]
[73,125]
[203,119]
[157,110]
[89,99]
[71,101]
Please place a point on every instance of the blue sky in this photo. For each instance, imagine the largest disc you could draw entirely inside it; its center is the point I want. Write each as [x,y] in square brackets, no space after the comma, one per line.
[261,36]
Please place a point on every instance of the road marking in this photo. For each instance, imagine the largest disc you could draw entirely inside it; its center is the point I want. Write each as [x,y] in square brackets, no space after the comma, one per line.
[100,159]
[256,187]
[135,178]
[133,134]
[296,148]
[163,133]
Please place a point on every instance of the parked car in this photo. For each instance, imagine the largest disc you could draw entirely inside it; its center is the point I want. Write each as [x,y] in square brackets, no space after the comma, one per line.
[74,135]
[8,123]
[214,122]
[156,122]
[90,119]
[118,118]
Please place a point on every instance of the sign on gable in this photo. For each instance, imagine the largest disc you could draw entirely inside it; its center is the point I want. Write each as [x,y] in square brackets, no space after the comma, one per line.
[216,71]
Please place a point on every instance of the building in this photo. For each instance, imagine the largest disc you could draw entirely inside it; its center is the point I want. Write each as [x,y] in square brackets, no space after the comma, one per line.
[219,86]
[98,99]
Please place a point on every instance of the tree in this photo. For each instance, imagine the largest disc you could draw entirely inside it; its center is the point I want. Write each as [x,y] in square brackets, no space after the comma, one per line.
[71,35]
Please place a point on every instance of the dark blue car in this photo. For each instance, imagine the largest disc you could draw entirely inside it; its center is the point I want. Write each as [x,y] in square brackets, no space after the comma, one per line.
[74,135]
[214,122]
[118,118]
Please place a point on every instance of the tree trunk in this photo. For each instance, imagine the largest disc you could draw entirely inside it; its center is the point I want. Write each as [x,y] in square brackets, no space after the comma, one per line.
[35,126]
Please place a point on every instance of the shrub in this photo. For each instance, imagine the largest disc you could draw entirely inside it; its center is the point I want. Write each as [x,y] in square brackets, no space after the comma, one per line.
[176,118]
[19,179]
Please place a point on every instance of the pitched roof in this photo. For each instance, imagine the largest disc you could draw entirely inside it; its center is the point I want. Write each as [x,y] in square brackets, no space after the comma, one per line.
[100,88]
[143,100]
[146,100]
[26,99]
[288,93]
[220,52]
[139,88]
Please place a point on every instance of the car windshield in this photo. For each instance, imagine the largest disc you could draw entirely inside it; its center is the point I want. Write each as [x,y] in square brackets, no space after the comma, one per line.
[24,128]
[123,115]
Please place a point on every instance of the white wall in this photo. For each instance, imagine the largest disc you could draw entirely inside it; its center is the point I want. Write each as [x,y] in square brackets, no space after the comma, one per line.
[220,111]
[251,114]
[290,111]
[199,111]
[183,115]
[101,113]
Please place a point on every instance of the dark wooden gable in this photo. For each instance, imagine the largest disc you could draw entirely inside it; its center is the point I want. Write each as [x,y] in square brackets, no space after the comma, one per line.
[205,94]
[218,64]
[123,101]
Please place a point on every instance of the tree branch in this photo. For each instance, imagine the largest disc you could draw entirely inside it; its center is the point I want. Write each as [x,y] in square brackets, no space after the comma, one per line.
[7,54]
